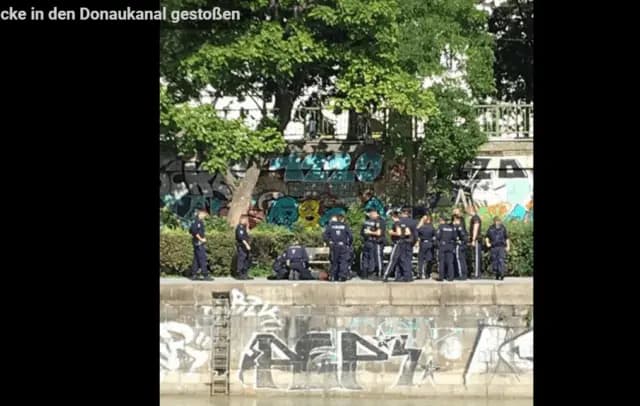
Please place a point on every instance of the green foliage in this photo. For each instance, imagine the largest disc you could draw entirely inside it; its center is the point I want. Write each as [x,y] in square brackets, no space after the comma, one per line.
[197,130]
[216,223]
[512,24]
[176,251]
[520,256]
[451,139]
[168,219]
[349,48]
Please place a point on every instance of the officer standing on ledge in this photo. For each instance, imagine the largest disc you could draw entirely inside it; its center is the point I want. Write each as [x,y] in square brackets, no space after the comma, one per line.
[243,248]
[445,236]
[394,232]
[373,235]
[498,240]
[409,231]
[199,253]
[475,231]
[427,236]
[350,250]
[458,255]
[339,236]
[460,250]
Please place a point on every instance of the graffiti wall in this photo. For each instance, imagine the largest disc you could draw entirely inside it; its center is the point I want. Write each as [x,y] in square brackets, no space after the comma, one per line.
[412,348]
[185,341]
[501,186]
[185,186]
[308,187]
[370,353]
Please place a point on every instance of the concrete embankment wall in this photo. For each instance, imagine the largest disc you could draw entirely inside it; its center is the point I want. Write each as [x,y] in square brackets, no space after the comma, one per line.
[472,338]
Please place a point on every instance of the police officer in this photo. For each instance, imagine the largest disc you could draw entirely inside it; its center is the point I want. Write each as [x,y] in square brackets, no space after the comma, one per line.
[497,240]
[395,234]
[297,261]
[457,261]
[373,235]
[475,232]
[350,250]
[243,248]
[445,237]
[199,253]
[427,237]
[339,237]
[280,270]
[408,228]
[460,248]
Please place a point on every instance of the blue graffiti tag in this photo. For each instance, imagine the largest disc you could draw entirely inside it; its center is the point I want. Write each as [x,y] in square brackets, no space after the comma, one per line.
[375,203]
[283,211]
[368,166]
[331,212]
[330,168]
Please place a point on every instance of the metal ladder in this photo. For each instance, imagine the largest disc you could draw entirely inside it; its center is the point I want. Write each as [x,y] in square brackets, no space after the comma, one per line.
[220,343]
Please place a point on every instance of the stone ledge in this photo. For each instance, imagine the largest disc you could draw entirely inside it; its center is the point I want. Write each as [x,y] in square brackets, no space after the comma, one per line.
[512,291]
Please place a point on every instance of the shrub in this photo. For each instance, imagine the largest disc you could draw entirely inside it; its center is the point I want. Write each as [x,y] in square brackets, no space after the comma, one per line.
[269,241]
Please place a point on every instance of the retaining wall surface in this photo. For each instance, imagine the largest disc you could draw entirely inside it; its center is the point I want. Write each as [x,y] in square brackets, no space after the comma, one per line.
[472,338]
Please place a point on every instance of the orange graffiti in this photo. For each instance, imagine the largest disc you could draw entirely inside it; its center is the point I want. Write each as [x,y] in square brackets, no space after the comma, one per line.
[500,209]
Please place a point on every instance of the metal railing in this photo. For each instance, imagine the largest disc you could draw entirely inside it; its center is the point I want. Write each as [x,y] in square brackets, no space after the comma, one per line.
[506,121]
[498,121]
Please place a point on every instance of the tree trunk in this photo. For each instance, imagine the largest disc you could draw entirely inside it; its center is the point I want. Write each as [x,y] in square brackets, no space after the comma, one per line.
[283,104]
[242,193]
[241,199]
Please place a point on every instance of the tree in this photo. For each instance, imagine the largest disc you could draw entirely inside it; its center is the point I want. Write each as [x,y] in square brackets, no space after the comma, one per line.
[512,24]
[448,43]
[349,48]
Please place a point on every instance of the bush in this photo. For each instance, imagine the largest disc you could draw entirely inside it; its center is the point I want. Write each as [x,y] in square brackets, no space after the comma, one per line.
[176,251]
[269,241]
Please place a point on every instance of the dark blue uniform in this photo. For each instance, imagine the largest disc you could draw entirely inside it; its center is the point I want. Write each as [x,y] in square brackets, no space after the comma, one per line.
[371,260]
[243,253]
[460,253]
[298,259]
[476,256]
[445,237]
[427,236]
[498,238]
[280,270]
[339,237]
[199,252]
[394,257]
[406,252]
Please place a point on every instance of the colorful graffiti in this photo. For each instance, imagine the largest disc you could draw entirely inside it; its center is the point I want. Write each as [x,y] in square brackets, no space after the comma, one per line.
[501,186]
[309,213]
[376,204]
[184,187]
[333,167]
[334,211]
[283,211]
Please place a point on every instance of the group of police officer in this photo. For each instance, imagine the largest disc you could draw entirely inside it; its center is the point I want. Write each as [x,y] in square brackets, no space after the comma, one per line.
[450,240]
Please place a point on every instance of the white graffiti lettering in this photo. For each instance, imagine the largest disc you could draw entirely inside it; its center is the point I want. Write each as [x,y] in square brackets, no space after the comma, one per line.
[181,348]
[253,306]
